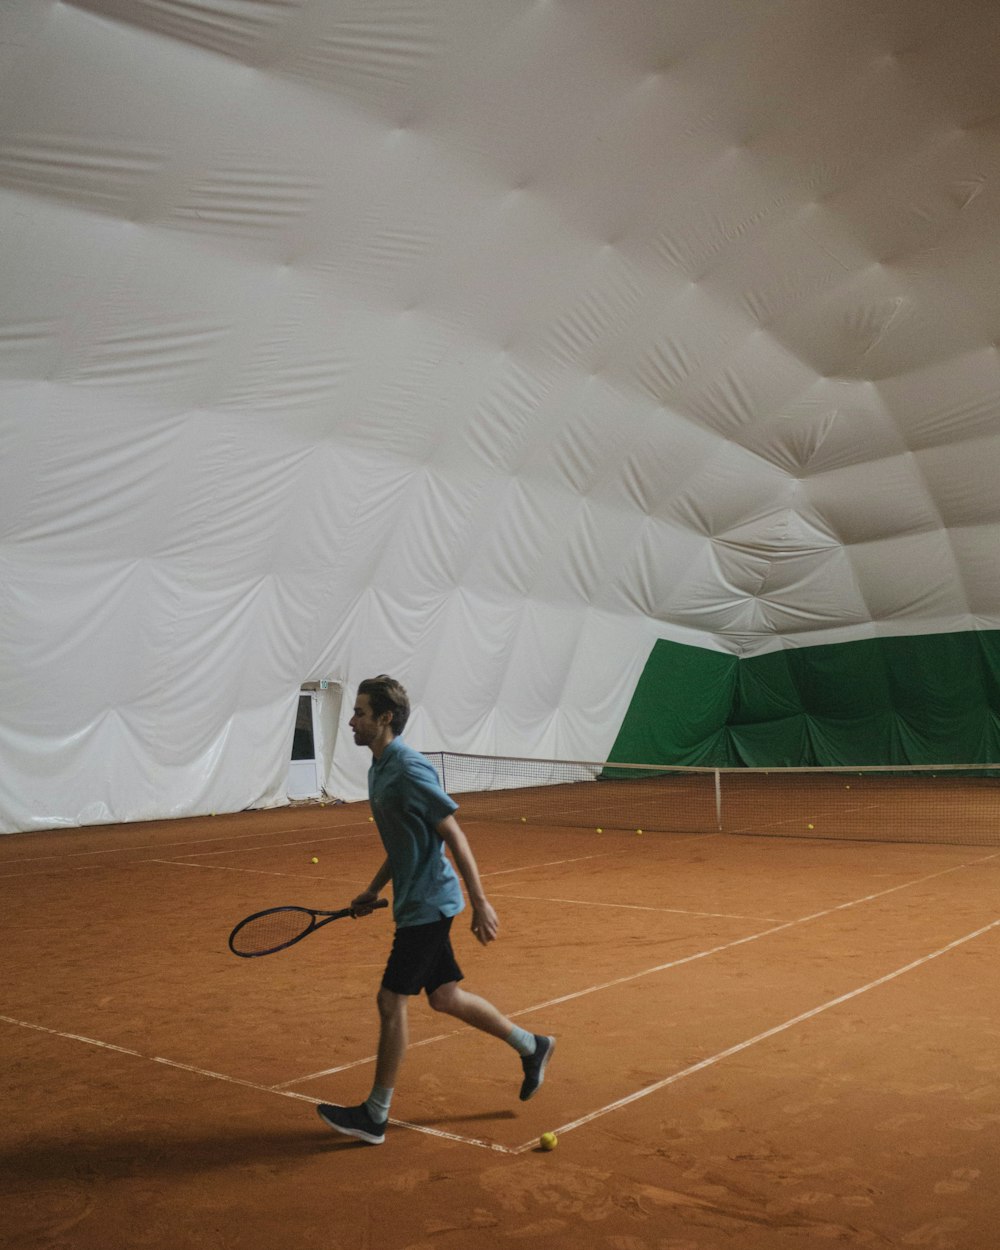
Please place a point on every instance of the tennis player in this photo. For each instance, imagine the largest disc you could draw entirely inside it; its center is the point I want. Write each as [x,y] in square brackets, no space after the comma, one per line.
[416,822]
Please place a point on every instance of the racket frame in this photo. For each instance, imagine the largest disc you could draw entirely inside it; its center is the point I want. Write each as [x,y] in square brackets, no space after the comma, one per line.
[327,918]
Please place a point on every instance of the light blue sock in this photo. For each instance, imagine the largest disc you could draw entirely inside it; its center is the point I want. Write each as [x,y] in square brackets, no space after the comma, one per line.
[522,1041]
[378,1103]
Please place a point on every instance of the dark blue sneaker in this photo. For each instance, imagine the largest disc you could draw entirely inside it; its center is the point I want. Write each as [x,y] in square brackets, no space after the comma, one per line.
[353,1122]
[534,1065]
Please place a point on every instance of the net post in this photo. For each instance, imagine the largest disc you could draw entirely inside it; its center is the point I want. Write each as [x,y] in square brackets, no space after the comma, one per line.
[718,800]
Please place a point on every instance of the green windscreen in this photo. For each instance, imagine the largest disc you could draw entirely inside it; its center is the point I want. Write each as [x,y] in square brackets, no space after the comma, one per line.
[680,709]
[933,699]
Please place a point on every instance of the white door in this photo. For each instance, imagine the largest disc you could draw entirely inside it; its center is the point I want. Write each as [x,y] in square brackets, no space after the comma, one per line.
[303,774]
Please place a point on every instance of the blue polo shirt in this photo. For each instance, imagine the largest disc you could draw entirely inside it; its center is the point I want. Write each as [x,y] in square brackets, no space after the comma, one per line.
[407,802]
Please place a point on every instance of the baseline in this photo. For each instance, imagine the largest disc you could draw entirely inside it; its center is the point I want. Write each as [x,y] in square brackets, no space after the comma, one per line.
[235,1080]
[590,1117]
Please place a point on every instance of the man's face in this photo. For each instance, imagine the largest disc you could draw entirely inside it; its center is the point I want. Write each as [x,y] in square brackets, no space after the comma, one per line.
[365,726]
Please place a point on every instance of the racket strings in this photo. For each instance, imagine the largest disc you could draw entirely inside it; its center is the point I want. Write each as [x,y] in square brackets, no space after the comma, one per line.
[266,933]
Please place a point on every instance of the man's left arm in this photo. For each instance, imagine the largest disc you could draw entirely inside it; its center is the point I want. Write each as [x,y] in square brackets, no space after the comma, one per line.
[485,923]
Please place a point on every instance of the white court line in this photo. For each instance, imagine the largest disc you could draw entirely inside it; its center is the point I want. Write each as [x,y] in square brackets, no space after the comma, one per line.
[48,872]
[360,1063]
[760,1037]
[754,830]
[73,1037]
[645,972]
[274,1089]
[573,1124]
[244,850]
[552,863]
[165,846]
[674,911]
[283,1091]
[257,872]
[753,937]
[233,1080]
[542,820]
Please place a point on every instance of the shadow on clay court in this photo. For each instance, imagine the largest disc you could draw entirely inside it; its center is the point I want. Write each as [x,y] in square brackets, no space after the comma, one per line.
[117,1156]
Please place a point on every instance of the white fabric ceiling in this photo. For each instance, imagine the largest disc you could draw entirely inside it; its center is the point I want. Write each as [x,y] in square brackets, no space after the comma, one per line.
[479,341]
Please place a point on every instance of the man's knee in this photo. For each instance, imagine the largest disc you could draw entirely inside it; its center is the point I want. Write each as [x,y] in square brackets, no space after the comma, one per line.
[390,1004]
[444,997]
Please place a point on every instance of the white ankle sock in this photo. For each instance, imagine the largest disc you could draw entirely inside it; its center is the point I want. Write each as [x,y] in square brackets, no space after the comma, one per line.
[378,1102]
[522,1041]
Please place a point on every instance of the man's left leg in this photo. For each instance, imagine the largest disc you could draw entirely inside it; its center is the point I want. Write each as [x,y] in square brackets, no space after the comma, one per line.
[535,1049]
[470,1009]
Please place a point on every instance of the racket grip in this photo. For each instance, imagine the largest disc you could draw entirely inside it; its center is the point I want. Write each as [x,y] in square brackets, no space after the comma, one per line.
[379,902]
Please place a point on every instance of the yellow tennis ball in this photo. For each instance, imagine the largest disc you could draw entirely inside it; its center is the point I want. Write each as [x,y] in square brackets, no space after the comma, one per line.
[812,826]
[371,819]
[315,860]
[524,820]
[599,829]
[639,831]
[548,1141]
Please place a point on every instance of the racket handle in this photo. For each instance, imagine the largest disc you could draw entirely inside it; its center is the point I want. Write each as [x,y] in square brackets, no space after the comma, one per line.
[379,902]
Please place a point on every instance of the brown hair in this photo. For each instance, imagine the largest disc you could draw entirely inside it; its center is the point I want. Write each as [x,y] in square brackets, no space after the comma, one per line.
[385,694]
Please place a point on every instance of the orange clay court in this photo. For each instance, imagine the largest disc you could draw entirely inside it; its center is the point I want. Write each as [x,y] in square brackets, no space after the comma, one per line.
[763,1042]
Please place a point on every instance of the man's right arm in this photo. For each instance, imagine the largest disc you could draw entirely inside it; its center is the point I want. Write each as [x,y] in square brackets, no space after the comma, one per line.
[367,898]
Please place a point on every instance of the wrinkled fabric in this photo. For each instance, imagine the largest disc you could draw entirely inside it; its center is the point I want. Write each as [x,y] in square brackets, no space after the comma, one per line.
[486,344]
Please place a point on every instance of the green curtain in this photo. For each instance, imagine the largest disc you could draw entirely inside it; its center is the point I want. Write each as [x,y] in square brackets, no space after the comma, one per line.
[680,708]
[933,699]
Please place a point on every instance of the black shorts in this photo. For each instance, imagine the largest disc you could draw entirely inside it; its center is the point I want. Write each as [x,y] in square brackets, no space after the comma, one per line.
[421,959]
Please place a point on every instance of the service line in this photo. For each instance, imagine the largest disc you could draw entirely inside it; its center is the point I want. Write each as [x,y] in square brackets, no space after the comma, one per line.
[761,1037]
[645,972]
[165,846]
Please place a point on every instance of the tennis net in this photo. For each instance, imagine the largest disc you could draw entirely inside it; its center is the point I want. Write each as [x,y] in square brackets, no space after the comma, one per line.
[947,803]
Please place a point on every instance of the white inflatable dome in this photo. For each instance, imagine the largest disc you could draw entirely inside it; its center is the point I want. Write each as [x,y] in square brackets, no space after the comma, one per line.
[481,342]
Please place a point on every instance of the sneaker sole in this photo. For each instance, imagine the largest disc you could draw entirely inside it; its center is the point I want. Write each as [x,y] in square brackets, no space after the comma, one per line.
[357,1133]
[541,1070]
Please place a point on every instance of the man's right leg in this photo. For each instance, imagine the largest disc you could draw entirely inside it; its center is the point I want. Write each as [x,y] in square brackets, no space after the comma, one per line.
[393,1035]
[368,1120]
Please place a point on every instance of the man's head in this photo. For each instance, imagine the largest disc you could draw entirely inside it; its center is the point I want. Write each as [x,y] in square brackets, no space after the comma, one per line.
[382,704]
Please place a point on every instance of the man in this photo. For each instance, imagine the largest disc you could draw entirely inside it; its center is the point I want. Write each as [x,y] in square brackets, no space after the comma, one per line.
[416,822]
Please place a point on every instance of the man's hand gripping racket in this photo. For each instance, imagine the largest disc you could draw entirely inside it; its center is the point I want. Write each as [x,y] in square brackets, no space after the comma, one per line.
[277,928]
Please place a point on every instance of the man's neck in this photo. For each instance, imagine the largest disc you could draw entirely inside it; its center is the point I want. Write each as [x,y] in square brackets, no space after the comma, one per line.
[381,742]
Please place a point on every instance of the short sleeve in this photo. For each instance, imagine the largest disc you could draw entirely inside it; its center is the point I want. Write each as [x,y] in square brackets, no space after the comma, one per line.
[424,785]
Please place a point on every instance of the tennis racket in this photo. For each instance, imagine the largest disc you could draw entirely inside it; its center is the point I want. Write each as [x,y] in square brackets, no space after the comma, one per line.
[277,928]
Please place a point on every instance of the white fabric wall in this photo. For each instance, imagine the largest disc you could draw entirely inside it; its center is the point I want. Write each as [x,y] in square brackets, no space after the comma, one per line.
[483,342]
